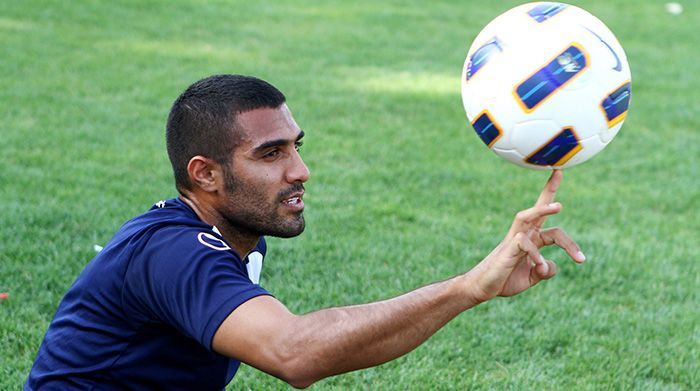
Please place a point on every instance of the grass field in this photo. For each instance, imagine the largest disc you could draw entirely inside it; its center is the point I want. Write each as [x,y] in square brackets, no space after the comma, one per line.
[402,192]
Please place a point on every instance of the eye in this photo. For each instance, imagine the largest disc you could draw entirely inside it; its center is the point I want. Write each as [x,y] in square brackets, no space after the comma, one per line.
[272,154]
[298,144]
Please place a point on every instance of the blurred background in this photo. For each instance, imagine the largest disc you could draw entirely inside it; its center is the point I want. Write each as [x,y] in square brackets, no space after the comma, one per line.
[402,192]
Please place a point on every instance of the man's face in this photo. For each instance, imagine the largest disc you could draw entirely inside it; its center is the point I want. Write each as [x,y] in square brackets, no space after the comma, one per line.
[264,180]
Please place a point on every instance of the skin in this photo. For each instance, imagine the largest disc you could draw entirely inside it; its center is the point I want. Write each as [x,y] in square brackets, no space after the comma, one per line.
[302,349]
[246,199]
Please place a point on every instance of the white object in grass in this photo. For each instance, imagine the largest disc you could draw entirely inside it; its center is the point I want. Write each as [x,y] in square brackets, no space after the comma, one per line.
[674,8]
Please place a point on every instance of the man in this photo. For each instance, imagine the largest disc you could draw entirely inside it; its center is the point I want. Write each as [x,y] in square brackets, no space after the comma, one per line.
[173,299]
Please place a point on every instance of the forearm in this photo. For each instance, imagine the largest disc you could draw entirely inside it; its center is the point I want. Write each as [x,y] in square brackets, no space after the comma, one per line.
[338,340]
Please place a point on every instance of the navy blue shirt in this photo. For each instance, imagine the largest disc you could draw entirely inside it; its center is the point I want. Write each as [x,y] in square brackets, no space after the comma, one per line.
[143,313]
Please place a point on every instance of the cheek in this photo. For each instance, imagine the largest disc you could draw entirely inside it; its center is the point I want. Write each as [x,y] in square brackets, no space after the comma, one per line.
[267,180]
[258,183]
[260,190]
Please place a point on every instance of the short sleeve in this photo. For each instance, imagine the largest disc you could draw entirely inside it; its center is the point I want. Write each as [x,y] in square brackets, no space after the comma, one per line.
[189,279]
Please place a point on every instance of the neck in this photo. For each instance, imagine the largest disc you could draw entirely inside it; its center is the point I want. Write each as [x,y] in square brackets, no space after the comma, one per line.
[241,242]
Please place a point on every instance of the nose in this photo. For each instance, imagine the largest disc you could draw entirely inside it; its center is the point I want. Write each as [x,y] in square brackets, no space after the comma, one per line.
[297,172]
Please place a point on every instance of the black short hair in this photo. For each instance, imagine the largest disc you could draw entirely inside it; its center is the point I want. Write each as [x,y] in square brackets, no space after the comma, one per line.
[202,120]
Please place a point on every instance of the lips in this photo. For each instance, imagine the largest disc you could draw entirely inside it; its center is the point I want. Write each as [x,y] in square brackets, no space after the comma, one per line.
[294,200]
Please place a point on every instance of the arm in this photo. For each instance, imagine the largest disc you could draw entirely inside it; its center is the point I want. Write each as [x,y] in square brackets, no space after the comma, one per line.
[303,349]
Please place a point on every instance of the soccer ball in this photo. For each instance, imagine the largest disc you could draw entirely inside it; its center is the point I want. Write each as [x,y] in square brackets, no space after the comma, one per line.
[546,85]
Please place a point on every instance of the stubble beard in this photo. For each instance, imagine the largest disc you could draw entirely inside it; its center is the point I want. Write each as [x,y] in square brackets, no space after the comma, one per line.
[248,212]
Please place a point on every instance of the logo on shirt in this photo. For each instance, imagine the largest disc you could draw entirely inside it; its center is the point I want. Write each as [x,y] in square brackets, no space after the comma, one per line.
[212,241]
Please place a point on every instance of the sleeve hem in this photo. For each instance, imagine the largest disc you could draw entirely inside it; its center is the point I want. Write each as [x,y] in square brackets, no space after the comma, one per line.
[224,310]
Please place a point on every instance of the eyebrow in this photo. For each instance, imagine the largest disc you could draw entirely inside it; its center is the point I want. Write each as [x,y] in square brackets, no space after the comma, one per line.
[276,143]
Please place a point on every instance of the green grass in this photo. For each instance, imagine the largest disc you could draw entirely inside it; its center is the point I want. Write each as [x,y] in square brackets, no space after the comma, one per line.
[402,192]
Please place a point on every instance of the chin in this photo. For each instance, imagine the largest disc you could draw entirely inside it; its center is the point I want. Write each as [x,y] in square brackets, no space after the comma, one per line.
[289,230]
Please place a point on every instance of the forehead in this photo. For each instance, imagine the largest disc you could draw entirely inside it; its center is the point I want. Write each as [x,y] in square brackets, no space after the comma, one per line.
[264,124]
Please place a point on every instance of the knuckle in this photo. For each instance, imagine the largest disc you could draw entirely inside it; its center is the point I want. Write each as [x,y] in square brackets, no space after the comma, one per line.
[518,237]
[521,237]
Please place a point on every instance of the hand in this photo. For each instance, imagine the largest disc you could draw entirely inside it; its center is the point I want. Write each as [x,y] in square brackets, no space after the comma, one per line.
[516,263]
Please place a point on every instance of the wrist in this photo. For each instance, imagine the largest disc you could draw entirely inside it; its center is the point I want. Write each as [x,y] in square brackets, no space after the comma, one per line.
[469,288]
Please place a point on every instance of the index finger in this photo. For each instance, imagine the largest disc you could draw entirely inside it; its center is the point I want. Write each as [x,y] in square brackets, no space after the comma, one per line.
[550,189]
[548,193]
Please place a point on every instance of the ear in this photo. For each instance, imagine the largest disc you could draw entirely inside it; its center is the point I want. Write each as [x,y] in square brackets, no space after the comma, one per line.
[205,173]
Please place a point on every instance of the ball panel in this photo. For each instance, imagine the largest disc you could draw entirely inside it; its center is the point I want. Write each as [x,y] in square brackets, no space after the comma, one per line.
[557,151]
[481,56]
[516,158]
[554,75]
[589,148]
[487,129]
[607,135]
[544,11]
[529,136]
[615,104]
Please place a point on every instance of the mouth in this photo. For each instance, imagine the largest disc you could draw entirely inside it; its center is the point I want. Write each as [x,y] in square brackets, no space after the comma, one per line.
[294,201]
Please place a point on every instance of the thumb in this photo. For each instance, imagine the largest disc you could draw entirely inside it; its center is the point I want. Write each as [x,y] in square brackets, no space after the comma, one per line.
[522,248]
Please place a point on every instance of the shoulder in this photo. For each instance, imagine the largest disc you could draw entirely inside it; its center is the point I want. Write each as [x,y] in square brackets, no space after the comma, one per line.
[171,228]
[169,243]
[174,248]
[179,264]
[186,249]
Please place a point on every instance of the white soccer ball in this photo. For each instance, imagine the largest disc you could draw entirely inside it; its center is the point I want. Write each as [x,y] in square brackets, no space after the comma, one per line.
[546,85]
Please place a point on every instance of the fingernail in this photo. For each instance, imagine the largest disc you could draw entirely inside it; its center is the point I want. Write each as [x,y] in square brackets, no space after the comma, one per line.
[580,256]
[545,265]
